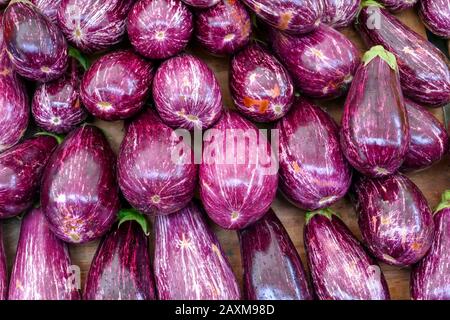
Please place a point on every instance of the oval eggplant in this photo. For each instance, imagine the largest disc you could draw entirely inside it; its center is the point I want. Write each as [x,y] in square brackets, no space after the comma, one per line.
[48,8]
[340,13]
[42,269]
[187,94]
[201,3]
[156,171]
[395,220]
[79,194]
[272,267]
[429,278]
[159,29]
[424,70]
[36,47]
[189,261]
[261,87]
[92,25]
[375,132]
[435,14]
[308,60]
[398,5]
[117,85]
[340,267]
[238,174]
[3,269]
[313,175]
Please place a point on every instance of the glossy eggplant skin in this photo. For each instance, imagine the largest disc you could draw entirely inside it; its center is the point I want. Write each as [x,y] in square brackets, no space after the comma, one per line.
[424,70]
[189,261]
[3,269]
[340,267]
[79,193]
[398,5]
[49,8]
[340,13]
[435,14]
[201,4]
[272,267]
[394,217]
[261,87]
[307,58]
[36,47]
[150,177]
[117,85]
[313,175]
[42,269]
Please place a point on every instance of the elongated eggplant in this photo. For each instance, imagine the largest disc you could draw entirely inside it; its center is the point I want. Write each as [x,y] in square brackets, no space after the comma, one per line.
[340,13]
[49,8]
[316,174]
[189,261]
[398,5]
[79,193]
[3,269]
[340,267]
[308,59]
[435,14]
[394,218]
[424,70]
[201,3]
[42,269]
[272,267]
[156,169]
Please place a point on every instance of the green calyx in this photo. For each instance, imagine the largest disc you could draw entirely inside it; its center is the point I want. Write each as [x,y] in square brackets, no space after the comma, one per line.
[133,215]
[371,3]
[382,53]
[327,212]
[83,60]
[58,138]
[445,203]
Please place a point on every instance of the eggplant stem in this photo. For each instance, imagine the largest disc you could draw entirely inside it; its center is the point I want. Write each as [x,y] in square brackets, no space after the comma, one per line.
[382,53]
[133,215]
[445,203]
[58,138]
[371,3]
[327,212]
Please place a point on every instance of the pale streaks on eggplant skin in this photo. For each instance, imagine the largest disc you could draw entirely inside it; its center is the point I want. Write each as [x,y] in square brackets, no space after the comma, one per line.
[340,13]
[49,8]
[3,269]
[201,3]
[398,5]
[435,14]
[189,261]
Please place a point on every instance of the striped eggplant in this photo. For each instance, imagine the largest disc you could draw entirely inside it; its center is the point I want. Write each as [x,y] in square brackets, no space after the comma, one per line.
[424,70]
[261,87]
[159,29]
[395,220]
[189,262]
[308,60]
[375,133]
[315,174]
[186,93]
[49,8]
[21,169]
[340,13]
[42,269]
[201,3]
[238,175]
[272,267]
[36,47]
[3,269]
[156,171]
[117,85]
[79,194]
[398,5]
[430,277]
[340,267]
[435,14]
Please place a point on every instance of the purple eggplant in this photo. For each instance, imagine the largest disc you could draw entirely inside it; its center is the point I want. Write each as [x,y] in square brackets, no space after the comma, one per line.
[398,5]
[435,14]
[395,220]
[187,94]
[424,70]
[261,87]
[272,267]
[49,8]
[308,60]
[156,171]
[93,25]
[36,47]
[238,174]
[340,267]
[79,194]
[201,3]
[375,132]
[430,277]
[315,174]
[3,3]
[159,29]
[42,269]
[3,269]
[340,13]
[117,85]
[189,261]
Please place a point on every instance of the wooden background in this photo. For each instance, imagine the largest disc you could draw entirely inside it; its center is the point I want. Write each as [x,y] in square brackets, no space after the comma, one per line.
[432,182]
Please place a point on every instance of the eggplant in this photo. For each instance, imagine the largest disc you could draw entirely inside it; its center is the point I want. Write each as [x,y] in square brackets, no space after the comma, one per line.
[3,269]
[424,69]
[48,8]
[201,3]
[435,14]
[159,29]
[261,87]
[156,171]
[313,175]
[395,220]
[186,93]
[340,267]
[272,267]
[430,277]
[238,174]
[340,13]
[117,85]
[308,60]
[79,193]
[398,5]
[42,269]
[375,131]
[3,3]
[36,47]
[189,261]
